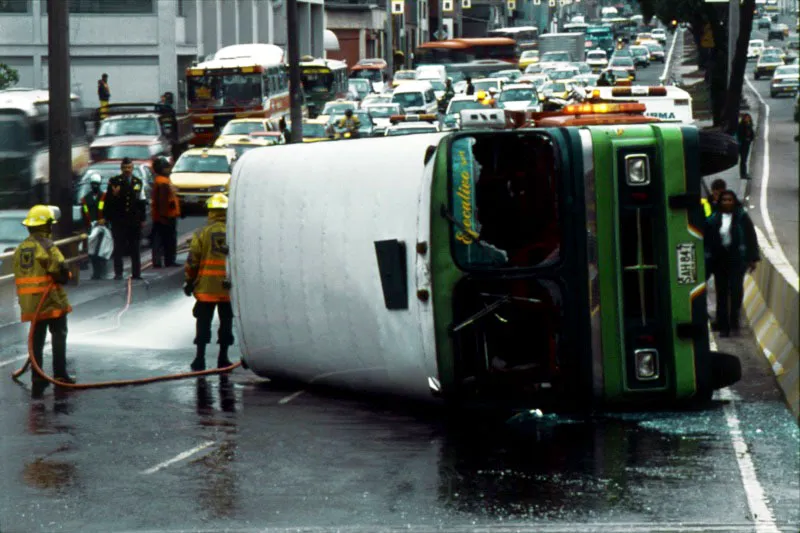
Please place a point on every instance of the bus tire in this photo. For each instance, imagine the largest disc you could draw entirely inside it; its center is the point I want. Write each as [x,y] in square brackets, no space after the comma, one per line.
[718,152]
[726,369]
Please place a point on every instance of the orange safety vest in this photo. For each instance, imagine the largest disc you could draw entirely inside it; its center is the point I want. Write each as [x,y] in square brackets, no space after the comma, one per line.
[173,206]
[36,260]
[205,265]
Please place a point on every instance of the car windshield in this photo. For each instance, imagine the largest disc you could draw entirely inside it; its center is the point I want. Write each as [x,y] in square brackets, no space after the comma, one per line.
[337,108]
[376,99]
[770,58]
[563,74]
[528,54]
[787,71]
[12,230]
[596,55]
[457,106]
[555,87]
[555,56]
[516,95]
[437,85]
[128,126]
[367,74]
[622,62]
[409,131]
[405,75]
[360,86]
[202,164]
[314,131]
[132,151]
[485,85]
[408,99]
[653,47]
[242,128]
[757,44]
[622,53]
[106,171]
[383,111]
[639,51]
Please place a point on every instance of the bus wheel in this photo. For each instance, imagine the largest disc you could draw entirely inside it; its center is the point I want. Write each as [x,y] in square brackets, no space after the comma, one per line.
[718,152]
[726,369]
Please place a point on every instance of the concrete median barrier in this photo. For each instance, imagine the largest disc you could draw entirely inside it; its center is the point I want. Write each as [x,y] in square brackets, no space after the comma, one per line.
[772,303]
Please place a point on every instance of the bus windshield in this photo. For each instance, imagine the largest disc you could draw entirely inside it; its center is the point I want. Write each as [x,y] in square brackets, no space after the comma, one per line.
[438,53]
[216,90]
[316,79]
[115,127]
[14,133]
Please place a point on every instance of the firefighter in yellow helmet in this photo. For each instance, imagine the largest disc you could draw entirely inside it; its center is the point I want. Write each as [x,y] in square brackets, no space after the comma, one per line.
[38,263]
[206,278]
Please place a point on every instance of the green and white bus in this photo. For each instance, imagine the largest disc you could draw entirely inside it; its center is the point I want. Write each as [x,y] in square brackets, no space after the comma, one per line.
[516,268]
[323,80]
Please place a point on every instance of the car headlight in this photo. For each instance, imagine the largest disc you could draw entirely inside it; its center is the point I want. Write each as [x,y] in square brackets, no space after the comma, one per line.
[637,170]
[646,364]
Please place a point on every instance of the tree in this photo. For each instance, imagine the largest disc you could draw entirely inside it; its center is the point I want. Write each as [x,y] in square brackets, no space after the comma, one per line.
[734,95]
[8,76]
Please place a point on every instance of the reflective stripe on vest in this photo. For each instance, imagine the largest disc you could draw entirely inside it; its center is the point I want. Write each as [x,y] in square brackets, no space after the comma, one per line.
[32,285]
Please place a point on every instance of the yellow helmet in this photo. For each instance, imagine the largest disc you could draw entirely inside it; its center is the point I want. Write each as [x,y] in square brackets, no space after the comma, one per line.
[218,201]
[39,215]
[481,95]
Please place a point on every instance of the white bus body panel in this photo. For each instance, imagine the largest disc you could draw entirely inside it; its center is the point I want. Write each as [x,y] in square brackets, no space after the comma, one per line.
[307,291]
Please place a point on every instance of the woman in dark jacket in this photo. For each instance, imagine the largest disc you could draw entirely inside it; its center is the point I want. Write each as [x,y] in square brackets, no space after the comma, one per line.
[745,135]
[731,249]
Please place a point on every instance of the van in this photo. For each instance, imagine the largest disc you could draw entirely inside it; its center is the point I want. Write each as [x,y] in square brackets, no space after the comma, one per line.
[668,104]
[416,97]
[432,72]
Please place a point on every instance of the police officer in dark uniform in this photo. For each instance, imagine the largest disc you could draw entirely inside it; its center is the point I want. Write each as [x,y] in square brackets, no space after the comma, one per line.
[125,210]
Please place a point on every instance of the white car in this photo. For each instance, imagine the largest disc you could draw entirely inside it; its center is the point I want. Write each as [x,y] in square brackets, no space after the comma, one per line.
[376,99]
[597,60]
[411,128]
[519,97]
[537,80]
[587,80]
[564,74]
[485,84]
[381,114]
[785,80]
[754,48]
[659,34]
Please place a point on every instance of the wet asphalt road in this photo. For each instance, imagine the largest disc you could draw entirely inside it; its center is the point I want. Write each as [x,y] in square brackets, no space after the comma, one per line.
[244,453]
[782,193]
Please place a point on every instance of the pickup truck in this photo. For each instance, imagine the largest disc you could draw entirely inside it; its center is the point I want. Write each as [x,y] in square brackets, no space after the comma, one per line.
[139,122]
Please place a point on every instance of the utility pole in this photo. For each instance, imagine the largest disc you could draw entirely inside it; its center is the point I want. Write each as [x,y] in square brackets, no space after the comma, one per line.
[59,115]
[733,33]
[389,40]
[295,88]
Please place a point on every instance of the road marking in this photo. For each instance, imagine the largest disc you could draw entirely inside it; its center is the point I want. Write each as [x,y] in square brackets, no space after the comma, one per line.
[291,397]
[773,238]
[667,63]
[12,361]
[179,457]
[760,513]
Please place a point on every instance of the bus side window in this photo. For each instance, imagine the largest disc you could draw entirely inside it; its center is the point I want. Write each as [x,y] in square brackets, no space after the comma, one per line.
[39,131]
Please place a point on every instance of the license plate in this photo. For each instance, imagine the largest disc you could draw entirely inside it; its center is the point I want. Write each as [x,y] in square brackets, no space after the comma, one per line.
[687,264]
[192,199]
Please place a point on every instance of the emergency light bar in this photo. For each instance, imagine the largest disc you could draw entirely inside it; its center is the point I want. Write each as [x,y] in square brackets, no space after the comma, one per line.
[639,91]
[394,119]
[483,118]
[595,109]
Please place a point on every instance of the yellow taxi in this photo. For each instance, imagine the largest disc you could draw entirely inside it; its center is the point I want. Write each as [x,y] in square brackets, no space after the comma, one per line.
[528,58]
[200,173]
[240,128]
[316,129]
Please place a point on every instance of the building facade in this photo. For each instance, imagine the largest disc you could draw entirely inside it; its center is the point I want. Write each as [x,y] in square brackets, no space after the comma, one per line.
[146,45]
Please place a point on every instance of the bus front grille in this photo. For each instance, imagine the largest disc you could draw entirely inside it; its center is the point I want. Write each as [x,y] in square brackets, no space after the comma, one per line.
[639,275]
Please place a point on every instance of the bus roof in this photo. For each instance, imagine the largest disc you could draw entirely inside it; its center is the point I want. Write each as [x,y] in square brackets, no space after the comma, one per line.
[514,29]
[469,42]
[370,64]
[26,99]
[245,55]
[333,64]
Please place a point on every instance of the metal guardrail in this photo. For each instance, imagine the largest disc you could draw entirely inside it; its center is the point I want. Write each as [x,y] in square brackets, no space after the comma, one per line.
[83,237]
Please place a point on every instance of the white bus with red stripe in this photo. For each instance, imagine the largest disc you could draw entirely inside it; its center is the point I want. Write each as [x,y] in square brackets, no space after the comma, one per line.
[668,104]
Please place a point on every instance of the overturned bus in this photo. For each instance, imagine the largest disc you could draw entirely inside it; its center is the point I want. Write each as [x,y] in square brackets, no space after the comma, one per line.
[517,268]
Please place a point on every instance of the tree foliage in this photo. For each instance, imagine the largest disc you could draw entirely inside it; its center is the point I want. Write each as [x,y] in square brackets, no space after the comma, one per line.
[8,76]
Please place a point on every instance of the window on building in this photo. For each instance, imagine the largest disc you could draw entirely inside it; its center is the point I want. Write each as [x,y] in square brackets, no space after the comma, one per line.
[111,7]
[181,8]
[14,6]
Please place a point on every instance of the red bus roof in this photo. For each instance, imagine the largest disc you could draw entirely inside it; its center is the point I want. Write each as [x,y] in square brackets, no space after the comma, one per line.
[455,44]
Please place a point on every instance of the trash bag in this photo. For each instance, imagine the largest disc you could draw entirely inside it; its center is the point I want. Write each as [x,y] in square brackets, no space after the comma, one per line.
[101,243]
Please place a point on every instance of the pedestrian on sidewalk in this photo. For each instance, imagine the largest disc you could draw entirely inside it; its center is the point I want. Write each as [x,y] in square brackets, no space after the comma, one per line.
[207,279]
[38,264]
[731,250]
[125,209]
[745,134]
[165,209]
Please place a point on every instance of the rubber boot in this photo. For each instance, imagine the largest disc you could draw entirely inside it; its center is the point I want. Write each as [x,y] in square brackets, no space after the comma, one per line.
[199,362]
[222,360]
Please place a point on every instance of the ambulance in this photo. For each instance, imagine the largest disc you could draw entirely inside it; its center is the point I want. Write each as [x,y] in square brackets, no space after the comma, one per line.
[668,104]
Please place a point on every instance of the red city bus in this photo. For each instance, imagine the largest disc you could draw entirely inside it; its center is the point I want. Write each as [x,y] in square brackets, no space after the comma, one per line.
[466,51]
[240,81]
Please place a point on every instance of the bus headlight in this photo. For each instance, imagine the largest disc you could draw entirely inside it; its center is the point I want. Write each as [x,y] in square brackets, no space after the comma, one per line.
[646,364]
[637,170]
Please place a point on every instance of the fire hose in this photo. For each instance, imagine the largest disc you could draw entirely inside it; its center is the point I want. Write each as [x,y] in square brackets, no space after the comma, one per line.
[31,361]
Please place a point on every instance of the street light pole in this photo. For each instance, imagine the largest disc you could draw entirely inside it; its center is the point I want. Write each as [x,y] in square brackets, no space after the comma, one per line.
[389,40]
[59,115]
[295,89]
